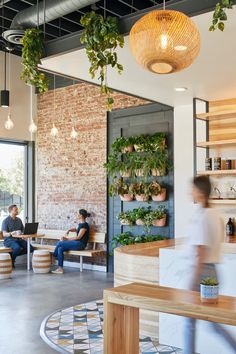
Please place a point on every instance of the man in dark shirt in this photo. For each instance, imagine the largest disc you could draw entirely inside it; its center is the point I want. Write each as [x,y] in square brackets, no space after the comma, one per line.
[12,226]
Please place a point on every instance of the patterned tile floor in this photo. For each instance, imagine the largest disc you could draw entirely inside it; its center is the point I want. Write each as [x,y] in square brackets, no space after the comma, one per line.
[78,330]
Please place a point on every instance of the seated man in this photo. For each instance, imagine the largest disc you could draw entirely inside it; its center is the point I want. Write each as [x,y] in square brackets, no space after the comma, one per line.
[12,226]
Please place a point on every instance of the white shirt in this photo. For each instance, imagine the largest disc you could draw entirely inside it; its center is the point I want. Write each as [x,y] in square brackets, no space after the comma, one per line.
[206,229]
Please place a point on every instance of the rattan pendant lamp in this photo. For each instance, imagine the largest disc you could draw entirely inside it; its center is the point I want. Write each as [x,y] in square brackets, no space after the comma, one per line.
[164,41]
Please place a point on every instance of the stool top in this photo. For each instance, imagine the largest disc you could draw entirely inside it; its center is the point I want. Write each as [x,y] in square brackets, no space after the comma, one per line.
[41,252]
[4,256]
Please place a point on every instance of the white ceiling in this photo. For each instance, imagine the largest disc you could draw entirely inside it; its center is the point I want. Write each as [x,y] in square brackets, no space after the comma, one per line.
[212,76]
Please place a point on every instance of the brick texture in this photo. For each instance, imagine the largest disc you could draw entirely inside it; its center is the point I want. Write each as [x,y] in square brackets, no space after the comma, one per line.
[70,173]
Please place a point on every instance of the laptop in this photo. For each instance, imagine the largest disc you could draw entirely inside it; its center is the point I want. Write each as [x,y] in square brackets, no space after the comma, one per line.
[31,228]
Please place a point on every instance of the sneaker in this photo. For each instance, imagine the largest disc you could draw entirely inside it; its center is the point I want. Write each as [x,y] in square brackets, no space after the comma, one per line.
[58,271]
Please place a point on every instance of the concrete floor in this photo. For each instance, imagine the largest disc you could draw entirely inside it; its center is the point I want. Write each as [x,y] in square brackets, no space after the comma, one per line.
[27,298]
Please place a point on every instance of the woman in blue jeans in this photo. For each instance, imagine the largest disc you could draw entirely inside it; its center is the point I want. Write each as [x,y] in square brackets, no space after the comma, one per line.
[205,238]
[76,243]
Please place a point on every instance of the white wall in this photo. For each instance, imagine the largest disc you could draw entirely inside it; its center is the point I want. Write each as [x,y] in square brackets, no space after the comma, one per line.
[183,166]
[19,101]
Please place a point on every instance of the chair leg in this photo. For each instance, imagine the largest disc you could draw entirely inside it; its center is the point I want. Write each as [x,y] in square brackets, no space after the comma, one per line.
[81,263]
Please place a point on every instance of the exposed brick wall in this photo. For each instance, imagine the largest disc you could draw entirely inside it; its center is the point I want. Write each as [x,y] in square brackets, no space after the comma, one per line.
[70,173]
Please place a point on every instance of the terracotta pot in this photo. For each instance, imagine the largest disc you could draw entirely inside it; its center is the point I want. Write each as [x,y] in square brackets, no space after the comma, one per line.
[141,198]
[160,197]
[159,222]
[156,147]
[139,222]
[126,197]
[156,172]
[128,149]
[209,294]
[125,173]
[139,173]
[138,148]
[124,222]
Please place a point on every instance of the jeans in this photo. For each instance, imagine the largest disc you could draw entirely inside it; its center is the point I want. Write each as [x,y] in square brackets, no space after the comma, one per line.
[209,271]
[18,245]
[62,246]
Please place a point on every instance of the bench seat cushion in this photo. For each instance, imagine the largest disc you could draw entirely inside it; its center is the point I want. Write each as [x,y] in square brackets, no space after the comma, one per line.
[86,253]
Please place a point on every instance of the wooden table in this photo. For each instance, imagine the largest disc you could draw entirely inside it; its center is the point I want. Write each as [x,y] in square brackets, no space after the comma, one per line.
[122,305]
[28,238]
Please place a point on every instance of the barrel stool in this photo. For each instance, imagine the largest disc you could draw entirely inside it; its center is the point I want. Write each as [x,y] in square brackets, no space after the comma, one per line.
[41,261]
[5,266]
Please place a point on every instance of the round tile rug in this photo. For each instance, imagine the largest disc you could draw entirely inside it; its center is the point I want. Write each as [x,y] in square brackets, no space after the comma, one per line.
[78,330]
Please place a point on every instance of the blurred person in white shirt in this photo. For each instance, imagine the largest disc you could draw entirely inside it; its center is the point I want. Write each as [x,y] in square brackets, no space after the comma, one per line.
[205,236]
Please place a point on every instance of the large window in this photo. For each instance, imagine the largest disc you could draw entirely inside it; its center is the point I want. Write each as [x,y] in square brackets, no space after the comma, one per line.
[12,178]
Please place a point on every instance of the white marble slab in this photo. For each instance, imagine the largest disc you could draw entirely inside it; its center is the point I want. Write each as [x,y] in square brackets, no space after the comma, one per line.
[176,267]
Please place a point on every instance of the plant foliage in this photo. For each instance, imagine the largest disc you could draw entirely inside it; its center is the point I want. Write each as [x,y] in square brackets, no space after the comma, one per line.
[209,282]
[101,38]
[220,16]
[126,238]
[32,53]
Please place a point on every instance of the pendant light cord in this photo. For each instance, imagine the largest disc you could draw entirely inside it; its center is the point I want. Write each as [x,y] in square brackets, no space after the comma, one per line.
[31,103]
[38,14]
[54,98]
[164,4]
[5,71]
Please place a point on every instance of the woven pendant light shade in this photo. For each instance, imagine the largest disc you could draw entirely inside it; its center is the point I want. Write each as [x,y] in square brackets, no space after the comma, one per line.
[164,41]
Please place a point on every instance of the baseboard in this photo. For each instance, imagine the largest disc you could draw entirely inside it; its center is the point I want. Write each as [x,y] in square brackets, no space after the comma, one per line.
[85,266]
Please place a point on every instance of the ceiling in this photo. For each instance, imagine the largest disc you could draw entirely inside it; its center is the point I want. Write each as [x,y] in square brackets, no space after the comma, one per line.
[70,23]
[212,76]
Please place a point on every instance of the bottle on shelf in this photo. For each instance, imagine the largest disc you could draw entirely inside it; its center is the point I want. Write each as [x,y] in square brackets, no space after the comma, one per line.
[208,164]
[228,164]
[229,228]
[217,163]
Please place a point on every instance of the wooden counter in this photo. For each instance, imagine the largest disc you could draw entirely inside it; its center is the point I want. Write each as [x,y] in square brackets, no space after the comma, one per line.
[140,263]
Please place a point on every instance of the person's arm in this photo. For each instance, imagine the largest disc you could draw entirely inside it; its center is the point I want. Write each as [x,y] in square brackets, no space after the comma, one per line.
[79,236]
[5,229]
[71,230]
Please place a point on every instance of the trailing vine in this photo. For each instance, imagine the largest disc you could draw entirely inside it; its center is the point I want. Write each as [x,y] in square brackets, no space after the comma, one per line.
[220,16]
[101,38]
[32,53]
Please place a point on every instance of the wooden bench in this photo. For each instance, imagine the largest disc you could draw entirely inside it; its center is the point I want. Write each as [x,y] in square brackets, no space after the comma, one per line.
[122,305]
[95,238]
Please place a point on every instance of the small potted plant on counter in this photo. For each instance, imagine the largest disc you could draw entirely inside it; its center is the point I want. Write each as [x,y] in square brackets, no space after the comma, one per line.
[158,216]
[209,290]
[141,191]
[125,218]
[157,193]
[122,189]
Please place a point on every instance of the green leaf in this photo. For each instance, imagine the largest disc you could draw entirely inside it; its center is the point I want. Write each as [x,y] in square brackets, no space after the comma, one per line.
[212,28]
[221,26]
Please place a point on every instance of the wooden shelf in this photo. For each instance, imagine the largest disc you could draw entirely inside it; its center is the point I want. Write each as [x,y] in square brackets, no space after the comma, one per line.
[210,144]
[218,172]
[223,201]
[217,115]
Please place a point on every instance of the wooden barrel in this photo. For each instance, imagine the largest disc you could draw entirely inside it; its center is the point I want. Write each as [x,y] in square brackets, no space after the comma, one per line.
[5,266]
[41,261]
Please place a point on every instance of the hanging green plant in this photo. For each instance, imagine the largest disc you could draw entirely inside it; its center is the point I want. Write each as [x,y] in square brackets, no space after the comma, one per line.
[220,16]
[32,53]
[101,38]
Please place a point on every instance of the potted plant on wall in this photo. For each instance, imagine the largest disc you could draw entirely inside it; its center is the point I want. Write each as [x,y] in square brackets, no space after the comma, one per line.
[141,191]
[125,218]
[122,145]
[157,193]
[140,143]
[139,215]
[157,141]
[119,187]
[127,238]
[209,290]
[158,216]
[158,162]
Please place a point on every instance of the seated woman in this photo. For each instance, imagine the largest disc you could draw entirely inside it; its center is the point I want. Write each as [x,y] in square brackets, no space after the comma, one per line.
[75,243]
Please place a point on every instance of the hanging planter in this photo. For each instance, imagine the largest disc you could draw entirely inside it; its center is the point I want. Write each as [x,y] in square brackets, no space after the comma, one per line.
[32,52]
[220,16]
[101,38]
